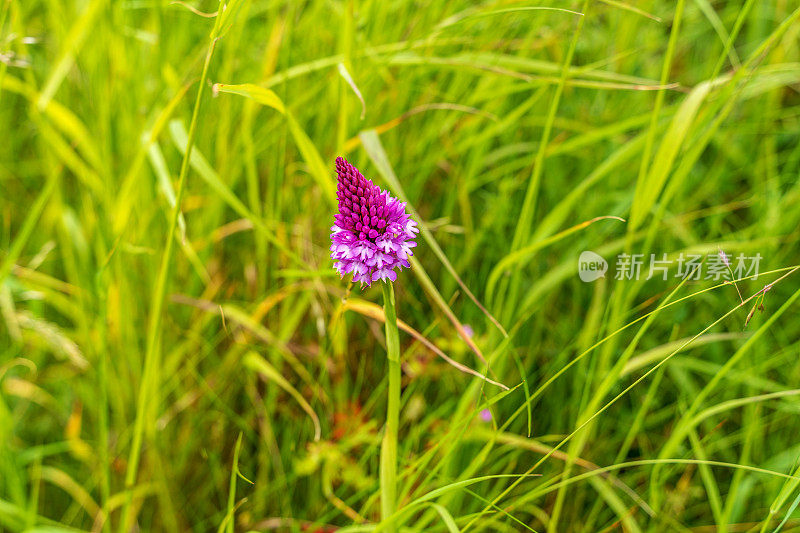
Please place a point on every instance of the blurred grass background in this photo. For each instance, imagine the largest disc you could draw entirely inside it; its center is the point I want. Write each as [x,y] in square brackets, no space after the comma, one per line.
[507,127]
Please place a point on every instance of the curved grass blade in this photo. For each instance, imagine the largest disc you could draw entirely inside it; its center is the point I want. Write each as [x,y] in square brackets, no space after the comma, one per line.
[372,144]
[375,312]
[524,253]
[319,171]
[258,364]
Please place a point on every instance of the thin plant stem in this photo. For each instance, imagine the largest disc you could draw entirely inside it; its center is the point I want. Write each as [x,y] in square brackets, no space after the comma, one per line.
[148,387]
[389,443]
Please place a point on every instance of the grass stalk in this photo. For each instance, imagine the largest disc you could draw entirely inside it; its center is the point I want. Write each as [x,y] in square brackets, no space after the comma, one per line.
[388,461]
[148,385]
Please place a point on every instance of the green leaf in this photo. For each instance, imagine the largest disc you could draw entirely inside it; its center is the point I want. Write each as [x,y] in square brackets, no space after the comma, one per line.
[255,362]
[319,171]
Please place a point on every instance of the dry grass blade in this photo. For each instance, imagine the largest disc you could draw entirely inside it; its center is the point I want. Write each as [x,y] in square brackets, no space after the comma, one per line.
[376,312]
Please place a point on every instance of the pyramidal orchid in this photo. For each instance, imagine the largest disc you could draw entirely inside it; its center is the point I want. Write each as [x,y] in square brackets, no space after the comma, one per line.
[372,234]
[371,238]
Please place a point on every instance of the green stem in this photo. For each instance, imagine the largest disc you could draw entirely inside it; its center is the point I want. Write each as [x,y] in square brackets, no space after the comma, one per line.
[389,443]
[148,387]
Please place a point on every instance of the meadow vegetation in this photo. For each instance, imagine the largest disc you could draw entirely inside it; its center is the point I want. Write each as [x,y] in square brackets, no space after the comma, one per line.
[178,354]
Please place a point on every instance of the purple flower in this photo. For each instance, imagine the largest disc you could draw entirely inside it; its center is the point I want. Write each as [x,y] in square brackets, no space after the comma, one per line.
[372,234]
[486,415]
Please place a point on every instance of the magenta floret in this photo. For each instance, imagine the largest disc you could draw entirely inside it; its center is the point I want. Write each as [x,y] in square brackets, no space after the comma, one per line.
[372,234]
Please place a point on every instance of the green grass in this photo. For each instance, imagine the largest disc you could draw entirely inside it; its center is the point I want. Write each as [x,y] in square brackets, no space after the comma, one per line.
[177,353]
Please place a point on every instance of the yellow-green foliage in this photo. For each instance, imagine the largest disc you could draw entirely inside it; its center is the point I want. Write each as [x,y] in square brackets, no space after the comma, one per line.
[177,353]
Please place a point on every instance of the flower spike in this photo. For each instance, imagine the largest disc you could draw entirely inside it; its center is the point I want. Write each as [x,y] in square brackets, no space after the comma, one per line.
[372,234]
